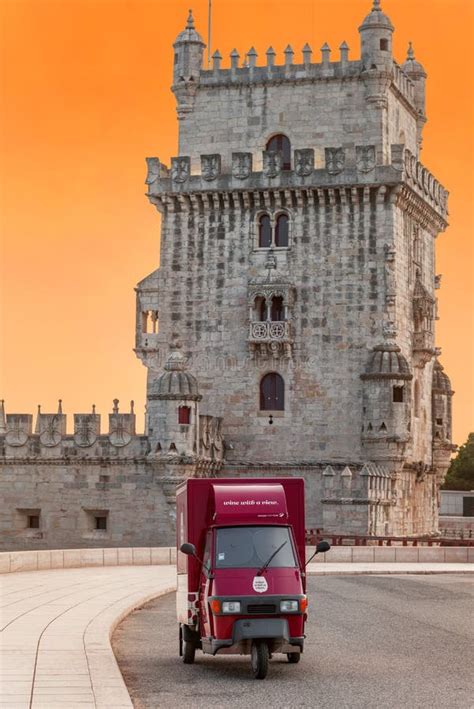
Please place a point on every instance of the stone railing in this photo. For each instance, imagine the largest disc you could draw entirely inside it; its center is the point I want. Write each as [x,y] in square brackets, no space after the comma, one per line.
[270,331]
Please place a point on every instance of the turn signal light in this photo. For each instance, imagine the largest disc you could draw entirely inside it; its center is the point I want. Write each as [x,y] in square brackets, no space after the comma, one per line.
[303,604]
[215,605]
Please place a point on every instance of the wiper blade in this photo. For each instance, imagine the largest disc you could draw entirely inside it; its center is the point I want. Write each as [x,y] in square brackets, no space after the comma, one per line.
[260,571]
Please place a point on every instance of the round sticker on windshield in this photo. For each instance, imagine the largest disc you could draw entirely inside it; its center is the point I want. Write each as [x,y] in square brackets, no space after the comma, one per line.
[260,584]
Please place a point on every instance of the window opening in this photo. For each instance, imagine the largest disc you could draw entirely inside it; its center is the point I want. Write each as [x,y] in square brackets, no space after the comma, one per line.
[184,414]
[101,522]
[281,143]
[272,392]
[398,394]
[264,232]
[33,521]
[261,308]
[384,45]
[277,309]
[281,231]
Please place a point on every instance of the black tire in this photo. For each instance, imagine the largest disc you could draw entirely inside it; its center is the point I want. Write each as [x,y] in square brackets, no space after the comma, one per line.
[259,659]
[293,657]
[189,651]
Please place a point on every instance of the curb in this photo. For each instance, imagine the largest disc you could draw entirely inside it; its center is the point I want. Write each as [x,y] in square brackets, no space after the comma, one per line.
[106,678]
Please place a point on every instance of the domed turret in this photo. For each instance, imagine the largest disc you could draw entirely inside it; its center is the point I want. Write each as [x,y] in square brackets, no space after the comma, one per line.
[376,39]
[441,381]
[189,48]
[387,362]
[172,409]
[386,403]
[175,382]
[416,72]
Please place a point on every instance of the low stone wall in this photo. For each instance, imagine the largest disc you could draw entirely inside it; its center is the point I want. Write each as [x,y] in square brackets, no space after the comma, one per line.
[76,558]
[376,554]
[11,561]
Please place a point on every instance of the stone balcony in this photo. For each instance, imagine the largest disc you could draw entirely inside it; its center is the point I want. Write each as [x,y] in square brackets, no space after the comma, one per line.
[423,347]
[270,338]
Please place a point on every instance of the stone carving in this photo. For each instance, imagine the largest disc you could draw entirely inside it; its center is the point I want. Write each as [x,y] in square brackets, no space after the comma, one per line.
[85,430]
[153,170]
[210,166]
[365,157]
[304,162]
[241,165]
[272,163]
[180,169]
[211,441]
[119,436]
[51,436]
[335,160]
[18,429]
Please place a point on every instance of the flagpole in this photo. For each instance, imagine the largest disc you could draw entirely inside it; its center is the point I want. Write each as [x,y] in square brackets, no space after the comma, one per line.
[209,35]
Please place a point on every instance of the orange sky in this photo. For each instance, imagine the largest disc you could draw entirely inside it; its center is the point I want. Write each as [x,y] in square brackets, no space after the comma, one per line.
[85,97]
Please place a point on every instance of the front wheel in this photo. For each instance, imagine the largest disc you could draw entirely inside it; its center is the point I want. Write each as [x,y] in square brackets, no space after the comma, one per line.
[293,657]
[259,658]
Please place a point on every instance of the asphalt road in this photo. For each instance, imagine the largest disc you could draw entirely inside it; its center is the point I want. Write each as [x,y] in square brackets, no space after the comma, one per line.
[372,641]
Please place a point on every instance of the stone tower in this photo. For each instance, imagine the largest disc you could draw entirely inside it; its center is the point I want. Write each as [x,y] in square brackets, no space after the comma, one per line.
[298,271]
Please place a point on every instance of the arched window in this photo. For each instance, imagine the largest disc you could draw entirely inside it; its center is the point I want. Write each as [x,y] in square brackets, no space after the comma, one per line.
[277,311]
[260,308]
[272,392]
[281,230]
[264,231]
[282,143]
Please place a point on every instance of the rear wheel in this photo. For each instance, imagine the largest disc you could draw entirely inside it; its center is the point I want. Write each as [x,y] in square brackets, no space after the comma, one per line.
[189,651]
[293,657]
[259,658]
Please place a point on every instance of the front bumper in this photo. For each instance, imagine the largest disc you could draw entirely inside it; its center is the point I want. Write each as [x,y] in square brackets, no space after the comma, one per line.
[273,630]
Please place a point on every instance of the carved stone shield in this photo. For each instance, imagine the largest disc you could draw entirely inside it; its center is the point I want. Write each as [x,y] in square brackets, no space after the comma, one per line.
[365,157]
[210,166]
[241,165]
[50,435]
[304,162]
[180,169]
[85,430]
[272,163]
[335,160]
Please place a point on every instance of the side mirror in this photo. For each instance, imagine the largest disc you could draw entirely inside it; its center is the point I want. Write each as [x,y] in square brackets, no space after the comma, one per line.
[188,548]
[322,547]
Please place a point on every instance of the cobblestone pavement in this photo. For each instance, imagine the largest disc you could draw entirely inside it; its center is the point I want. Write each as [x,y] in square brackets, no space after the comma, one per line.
[372,641]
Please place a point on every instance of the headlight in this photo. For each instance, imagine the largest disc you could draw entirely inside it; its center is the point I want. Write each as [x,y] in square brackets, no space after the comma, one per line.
[231,607]
[288,606]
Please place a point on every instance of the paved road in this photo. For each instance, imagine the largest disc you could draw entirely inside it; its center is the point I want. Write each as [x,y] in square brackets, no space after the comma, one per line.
[373,641]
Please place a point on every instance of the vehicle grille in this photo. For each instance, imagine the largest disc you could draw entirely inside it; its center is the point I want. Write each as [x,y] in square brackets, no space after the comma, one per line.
[261,608]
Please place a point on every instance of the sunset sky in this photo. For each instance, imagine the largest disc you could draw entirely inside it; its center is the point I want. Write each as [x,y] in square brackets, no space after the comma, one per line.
[85,97]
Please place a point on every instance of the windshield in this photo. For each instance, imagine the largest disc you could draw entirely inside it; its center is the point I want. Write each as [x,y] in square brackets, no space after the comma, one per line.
[251,547]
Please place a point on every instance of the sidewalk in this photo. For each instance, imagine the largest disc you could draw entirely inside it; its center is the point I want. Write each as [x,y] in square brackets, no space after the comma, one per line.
[54,634]
[55,628]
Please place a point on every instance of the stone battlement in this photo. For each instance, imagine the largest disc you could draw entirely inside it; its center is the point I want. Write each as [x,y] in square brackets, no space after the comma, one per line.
[358,165]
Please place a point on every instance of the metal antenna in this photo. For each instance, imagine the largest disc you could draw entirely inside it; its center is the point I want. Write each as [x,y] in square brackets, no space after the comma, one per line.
[209,26]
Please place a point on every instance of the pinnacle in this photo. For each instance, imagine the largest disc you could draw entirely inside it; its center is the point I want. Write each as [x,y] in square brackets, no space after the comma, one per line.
[344,45]
[190,22]
[217,55]
[376,6]
[307,48]
[289,49]
[252,52]
[325,47]
[410,51]
[271,51]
